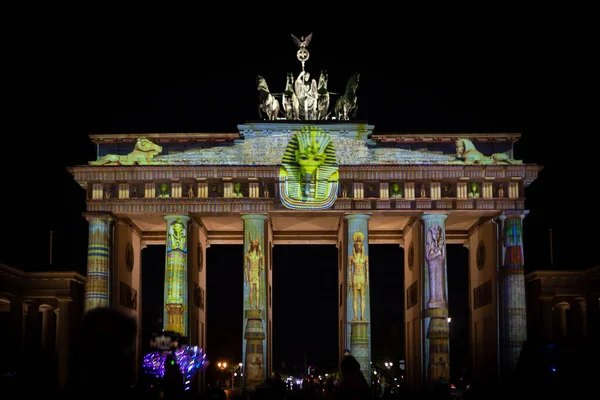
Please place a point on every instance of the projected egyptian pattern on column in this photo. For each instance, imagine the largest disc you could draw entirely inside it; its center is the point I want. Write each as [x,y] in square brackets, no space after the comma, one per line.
[436,303]
[255,300]
[513,296]
[175,318]
[98,263]
[358,309]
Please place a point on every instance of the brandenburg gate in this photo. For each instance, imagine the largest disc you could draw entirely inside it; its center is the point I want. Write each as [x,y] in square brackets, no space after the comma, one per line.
[309,173]
[316,182]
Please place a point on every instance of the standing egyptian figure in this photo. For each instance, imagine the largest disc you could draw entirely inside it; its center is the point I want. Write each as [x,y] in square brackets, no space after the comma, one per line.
[358,275]
[254,267]
[435,254]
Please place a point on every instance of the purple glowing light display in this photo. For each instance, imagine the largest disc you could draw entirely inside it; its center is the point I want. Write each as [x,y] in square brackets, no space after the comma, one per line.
[191,359]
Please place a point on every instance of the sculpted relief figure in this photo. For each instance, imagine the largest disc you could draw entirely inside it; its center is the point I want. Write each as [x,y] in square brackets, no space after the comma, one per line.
[142,154]
[435,254]
[346,106]
[254,267]
[290,102]
[358,276]
[474,192]
[323,96]
[396,191]
[237,190]
[268,105]
[468,154]
[306,91]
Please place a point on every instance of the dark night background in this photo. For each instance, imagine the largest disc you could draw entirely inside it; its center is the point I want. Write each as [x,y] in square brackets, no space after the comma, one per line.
[416,76]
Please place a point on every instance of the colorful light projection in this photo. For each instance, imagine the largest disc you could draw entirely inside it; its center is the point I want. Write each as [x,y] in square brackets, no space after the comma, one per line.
[190,359]
[358,309]
[308,178]
[436,287]
[176,275]
[255,300]
[513,287]
[96,290]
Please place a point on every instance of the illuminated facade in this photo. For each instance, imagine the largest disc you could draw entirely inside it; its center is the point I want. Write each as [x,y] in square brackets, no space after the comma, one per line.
[324,182]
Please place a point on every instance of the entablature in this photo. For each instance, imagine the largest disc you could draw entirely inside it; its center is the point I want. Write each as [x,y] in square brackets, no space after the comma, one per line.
[248,204]
[525,172]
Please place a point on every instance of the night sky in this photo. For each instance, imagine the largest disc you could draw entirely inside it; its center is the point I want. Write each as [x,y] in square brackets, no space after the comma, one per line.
[458,76]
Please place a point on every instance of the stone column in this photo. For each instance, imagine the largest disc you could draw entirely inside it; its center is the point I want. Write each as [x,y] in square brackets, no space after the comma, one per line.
[254,348]
[176,285]
[547,318]
[561,313]
[47,325]
[97,287]
[358,301]
[62,340]
[513,291]
[581,307]
[31,336]
[435,297]
[15,329]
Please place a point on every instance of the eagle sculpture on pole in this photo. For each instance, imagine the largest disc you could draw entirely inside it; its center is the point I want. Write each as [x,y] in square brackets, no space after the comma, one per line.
[302,44]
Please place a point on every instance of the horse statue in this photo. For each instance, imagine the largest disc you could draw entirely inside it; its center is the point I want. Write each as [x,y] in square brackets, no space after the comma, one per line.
[306,90]
[267,103]
[289,100]
[323,95]
[346,106]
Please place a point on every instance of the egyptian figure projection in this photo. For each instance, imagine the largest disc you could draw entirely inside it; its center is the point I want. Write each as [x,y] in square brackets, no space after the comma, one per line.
[254,268]
[175,276]
[435,254]
[358,276]
[309,172]
[255,300]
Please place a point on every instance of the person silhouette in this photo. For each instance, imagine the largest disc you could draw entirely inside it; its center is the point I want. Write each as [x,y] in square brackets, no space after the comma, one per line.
[106,362]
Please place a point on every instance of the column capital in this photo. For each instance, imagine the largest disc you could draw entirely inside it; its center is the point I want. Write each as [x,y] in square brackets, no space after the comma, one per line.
[64,299]
[580,301]
[353,216]
[263,217]
[546,299]
[45,307]
[173,217]
[563,305]
[514,214]
[103,216]
[434,216]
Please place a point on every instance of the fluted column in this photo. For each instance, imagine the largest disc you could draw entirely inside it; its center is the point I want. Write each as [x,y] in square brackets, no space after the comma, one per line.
[435,298]
[358,302]
[47,325]
[62,340]
[97,287]
[513,291]
[254,346]
[176,288]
